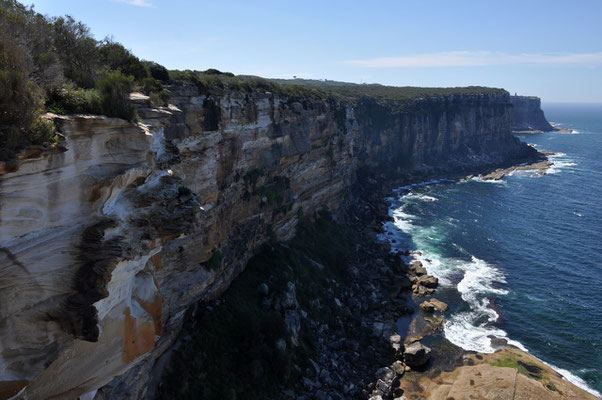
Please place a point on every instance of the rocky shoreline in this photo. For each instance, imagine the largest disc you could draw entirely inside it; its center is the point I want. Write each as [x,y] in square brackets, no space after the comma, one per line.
[540,167]
[443,370]
[555,128]
[382,336]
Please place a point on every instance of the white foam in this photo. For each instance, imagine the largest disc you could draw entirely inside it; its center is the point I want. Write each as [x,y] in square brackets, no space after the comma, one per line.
[473,329]
[559,163]
[496,181]
[428,198]
[574,379]
[463,331]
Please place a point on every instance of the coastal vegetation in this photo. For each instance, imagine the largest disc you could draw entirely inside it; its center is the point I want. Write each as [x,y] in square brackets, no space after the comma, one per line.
[55,64]
[243,337]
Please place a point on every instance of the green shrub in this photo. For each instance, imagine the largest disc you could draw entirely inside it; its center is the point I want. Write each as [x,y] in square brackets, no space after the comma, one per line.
[236,342]
[149,85]
[158,71]
[115,89]
[41,131]
[20,105]
[153,88]
[70,100]
[118,58]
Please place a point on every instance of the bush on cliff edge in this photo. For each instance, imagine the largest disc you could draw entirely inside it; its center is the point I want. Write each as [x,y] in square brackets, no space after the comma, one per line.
[20,104]
[115,89]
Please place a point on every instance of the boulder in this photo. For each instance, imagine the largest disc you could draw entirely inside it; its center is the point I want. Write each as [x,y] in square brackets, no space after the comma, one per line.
[416,355]
[385,374]
[289,299]
[421,291]
[383,387]
[398,368]
[263,289]
[404,283]
[395,338]
[420,271]
[439,305]
[428,281]
[293,325]
[427,306]
[378,328]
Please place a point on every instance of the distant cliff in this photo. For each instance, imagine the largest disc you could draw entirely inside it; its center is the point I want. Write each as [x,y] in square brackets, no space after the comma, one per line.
[108,239]
[527,114]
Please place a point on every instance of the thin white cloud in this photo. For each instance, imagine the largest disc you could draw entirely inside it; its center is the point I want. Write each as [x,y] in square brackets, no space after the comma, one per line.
[137,3]
[478,58]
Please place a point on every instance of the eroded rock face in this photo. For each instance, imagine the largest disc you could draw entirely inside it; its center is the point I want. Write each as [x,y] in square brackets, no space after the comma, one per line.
[103,247]
[439,134]
[527,114]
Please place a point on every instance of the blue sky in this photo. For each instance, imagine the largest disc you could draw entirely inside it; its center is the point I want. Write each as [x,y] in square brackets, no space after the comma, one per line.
[552,49]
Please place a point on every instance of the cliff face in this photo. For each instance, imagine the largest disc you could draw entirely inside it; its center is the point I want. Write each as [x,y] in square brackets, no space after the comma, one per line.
[104,246]
[527,114]
[441,134]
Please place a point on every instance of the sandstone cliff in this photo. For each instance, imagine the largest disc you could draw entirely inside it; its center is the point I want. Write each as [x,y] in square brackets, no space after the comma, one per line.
[106,241]
[527,114]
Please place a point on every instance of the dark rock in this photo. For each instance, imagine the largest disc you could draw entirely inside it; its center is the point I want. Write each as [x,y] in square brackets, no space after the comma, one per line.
[398,368]
[428,281]
[263,289]
[438,304]
[427,306]
[416,355]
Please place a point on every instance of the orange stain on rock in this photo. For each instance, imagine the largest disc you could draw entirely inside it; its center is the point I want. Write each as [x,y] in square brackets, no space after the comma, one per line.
[139,337]
[157,261]
[155,310]
[10,388]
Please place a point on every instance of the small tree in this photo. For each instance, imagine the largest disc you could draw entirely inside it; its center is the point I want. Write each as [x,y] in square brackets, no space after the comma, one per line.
[118,58]
[20,104]
[115,91]
[77,50]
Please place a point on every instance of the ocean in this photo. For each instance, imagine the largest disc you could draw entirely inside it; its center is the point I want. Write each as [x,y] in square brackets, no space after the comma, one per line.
[520,258]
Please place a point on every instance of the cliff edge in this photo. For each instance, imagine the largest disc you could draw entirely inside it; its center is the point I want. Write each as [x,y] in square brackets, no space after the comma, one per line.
[527,115]
[109,238]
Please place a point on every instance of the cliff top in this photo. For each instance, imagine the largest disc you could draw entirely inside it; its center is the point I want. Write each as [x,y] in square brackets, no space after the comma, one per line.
[516,96]
[60,67]
[375,90]
[395,97]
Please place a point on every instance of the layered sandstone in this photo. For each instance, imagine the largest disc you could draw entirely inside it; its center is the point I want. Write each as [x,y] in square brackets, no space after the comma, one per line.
[105,244]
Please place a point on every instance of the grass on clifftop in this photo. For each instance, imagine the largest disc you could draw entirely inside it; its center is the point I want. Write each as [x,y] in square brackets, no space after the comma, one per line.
[529,369]
[395,97]
[232,352]
[213,79]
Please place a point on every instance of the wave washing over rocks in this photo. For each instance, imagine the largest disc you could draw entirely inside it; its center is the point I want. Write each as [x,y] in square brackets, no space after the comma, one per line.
[478,282]
[473,329]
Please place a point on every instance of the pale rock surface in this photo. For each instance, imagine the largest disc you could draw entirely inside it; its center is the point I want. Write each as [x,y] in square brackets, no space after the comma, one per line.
[105,245]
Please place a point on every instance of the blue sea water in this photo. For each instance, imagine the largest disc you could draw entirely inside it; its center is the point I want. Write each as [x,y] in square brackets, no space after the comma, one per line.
[520,258]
